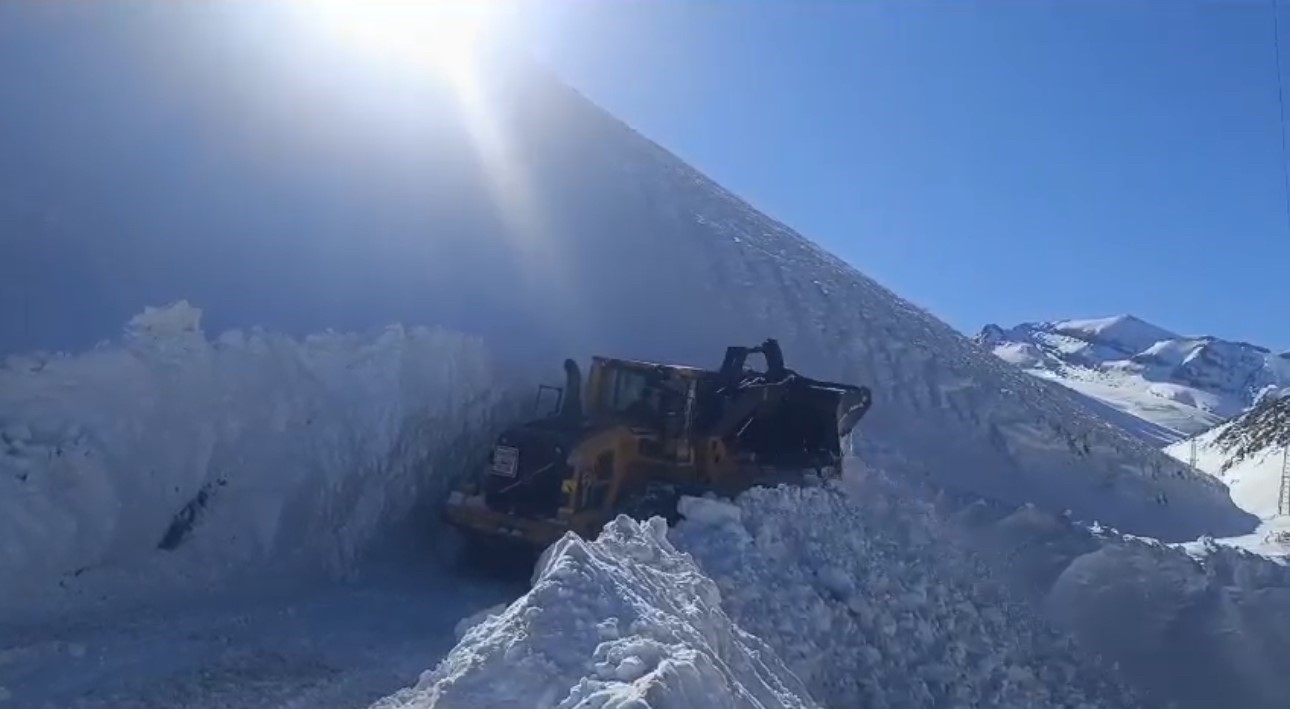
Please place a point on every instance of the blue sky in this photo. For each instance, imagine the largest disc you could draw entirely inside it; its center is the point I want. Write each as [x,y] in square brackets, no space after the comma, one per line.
[991,161]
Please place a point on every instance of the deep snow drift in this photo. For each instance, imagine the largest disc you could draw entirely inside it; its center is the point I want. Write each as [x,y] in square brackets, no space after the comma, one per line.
[1193,625]
[1203,626]
[622,622]
[847,605]
[878,592]
[1163,386]
[169,462]
[872,603]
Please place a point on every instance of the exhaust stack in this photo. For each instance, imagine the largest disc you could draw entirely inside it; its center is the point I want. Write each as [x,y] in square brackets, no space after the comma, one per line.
[571,410]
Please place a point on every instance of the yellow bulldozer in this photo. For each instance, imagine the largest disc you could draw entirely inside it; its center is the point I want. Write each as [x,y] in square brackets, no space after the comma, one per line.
[639,435]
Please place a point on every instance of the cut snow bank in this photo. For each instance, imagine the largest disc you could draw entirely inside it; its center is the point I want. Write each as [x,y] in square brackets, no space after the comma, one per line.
[873,604]
[168,461]
[622,621]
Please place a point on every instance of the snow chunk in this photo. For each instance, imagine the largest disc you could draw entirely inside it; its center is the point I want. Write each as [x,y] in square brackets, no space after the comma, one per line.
[709,511]
[668,644]
[466,624]
[176,318]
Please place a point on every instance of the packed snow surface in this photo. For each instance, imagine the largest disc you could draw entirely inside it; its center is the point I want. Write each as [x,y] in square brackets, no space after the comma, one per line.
[1174,386]
[170,462]
[331,646]
[622,622]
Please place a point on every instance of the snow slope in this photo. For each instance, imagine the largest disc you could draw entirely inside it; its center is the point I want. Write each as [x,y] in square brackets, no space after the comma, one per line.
[624,621]
[1173,385]
[169,462]
[1247,453]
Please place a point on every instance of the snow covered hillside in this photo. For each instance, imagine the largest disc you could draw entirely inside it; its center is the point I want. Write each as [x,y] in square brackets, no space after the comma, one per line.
[565,233]
[1247,453]
[1164,386]
[169,462]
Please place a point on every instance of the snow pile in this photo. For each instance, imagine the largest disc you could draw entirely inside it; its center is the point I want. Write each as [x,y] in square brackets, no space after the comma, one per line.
[873,604]
[622,621]
[1173,385]
[1191,625]
[169,461]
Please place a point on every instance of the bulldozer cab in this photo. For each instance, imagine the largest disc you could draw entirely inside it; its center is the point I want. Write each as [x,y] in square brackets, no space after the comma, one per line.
[642,394]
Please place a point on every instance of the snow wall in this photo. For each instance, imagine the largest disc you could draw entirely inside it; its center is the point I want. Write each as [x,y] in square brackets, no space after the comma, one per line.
[170,462]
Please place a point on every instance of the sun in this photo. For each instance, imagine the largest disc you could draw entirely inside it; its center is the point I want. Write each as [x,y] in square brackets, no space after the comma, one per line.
[438,35]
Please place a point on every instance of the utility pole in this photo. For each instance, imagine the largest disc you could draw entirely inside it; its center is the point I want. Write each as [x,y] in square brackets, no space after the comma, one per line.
[1191,460]
[1283,500]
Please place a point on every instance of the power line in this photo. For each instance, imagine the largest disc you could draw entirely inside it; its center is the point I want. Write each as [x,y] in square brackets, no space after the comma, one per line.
[1283,496]
[1281,105]
[1283,500]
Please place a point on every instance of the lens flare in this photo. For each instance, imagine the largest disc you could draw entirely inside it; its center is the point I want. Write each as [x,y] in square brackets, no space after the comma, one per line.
[438,35]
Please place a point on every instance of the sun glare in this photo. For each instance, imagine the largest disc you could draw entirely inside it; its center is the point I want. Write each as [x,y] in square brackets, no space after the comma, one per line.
[443,37]
[438,35]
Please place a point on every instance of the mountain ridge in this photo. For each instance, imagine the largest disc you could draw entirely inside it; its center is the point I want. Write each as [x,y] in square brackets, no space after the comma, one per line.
[1180,385]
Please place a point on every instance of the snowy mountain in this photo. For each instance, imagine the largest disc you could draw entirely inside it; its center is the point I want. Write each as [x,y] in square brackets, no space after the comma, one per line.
[1247,453]
[1158,384]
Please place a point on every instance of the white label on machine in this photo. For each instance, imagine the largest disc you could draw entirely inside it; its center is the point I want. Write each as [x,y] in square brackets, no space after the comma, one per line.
[505,461]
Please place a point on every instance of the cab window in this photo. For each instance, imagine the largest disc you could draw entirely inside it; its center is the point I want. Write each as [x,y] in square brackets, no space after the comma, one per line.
[628,388]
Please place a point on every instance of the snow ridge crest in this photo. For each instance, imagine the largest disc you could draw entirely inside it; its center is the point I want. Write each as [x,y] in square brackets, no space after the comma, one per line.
[623,621]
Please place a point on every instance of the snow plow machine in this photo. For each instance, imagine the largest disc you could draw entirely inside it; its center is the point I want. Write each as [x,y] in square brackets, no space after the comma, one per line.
[639,435]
